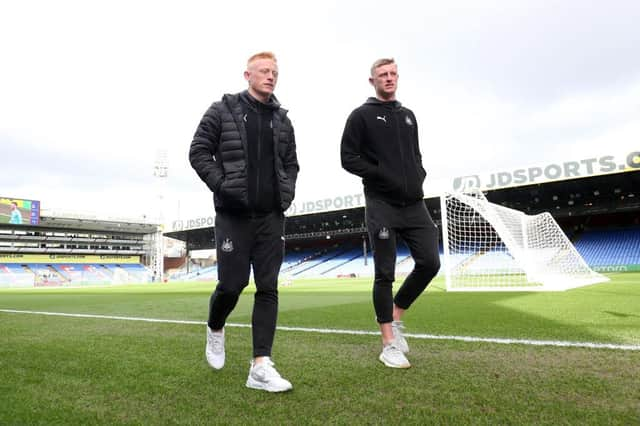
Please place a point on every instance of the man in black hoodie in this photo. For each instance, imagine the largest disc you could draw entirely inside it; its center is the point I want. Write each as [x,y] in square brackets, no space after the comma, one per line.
[244,150]
[380,144]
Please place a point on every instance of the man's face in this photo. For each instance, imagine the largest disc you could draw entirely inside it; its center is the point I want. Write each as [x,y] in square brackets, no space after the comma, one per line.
[262,75]
[385,81]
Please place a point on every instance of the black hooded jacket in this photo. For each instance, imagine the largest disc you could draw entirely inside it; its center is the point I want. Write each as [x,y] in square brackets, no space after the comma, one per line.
[380,144]
[238,173]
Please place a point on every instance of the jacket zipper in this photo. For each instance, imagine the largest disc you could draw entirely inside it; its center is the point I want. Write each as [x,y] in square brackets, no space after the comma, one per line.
[276,170]
[259,156]
[404,171]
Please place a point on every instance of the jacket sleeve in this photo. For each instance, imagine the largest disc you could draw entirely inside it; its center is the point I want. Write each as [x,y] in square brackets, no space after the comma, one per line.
[290,163]
[351,148]
[202,154]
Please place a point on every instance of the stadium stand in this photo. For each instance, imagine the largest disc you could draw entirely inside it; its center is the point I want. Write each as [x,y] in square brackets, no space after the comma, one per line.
[599,248]
[295,258]
[72,251]
[12,275]
[600,214]
[132,273]
[616,247]
[343,258]
[208,272]
[322,263]
[356,267]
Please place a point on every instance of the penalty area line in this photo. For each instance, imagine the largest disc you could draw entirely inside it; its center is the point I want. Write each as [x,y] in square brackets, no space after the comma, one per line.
[499,340]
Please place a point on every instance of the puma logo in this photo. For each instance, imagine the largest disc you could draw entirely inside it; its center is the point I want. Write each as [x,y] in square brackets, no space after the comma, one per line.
[382,117]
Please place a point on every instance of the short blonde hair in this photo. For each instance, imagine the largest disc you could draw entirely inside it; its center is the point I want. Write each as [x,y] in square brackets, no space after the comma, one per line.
[381,62]
[262,55]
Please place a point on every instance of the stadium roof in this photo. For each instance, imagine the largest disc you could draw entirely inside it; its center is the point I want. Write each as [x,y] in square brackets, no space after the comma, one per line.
[95,225]
[580,169]
[595,195]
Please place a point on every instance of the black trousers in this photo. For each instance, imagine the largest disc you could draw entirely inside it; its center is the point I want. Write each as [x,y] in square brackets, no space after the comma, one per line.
[242,243]
[414,224]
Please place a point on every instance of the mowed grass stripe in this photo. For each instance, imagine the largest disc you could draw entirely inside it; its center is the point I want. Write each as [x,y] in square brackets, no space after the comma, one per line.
[74,370]
[498,340]
[59,370]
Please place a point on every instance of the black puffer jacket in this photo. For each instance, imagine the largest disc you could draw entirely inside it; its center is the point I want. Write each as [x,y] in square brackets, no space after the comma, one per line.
[219,154]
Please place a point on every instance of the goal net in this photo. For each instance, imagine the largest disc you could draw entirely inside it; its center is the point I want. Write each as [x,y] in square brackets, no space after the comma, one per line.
[489,247]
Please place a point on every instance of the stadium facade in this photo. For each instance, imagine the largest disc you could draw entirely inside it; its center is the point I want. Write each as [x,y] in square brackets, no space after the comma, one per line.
[596,201]
[70,249]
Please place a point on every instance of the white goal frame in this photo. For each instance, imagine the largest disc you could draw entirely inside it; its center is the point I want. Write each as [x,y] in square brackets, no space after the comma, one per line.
[489,247]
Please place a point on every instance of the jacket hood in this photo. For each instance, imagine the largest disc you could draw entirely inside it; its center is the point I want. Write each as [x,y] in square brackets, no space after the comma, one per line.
[376,101]
[245,97]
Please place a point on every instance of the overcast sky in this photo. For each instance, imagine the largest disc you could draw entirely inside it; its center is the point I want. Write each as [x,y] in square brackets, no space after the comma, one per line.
[90,90]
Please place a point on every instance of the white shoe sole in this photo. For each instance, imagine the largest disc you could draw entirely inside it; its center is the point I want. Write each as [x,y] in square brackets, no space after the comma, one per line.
[254,384]
[388,364]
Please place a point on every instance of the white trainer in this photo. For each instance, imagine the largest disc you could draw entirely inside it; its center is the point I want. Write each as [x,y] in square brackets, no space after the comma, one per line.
[263,376]
[393,357]
[214,350]
[397,327]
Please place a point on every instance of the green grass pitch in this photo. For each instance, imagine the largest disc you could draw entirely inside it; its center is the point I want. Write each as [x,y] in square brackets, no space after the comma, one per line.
[77,370]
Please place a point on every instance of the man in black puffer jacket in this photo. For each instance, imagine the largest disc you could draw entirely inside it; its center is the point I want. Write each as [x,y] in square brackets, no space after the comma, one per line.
[244,150]
[380,144]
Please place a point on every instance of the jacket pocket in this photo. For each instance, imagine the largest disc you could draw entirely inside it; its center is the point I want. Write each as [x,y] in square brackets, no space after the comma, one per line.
[232,193]
[387,180]
[287,190]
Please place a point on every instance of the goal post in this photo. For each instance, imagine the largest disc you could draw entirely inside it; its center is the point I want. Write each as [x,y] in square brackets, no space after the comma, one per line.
[488,247]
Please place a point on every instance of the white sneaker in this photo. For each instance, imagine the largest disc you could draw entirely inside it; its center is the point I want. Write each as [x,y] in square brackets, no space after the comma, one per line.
[401,342]
[214,350]
[264,376]
[393,357]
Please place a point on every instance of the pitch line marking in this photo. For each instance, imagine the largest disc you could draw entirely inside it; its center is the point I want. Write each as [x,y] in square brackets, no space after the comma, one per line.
[504,341]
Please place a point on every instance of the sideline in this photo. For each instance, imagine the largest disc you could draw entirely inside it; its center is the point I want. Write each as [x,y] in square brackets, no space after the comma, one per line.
[505,341]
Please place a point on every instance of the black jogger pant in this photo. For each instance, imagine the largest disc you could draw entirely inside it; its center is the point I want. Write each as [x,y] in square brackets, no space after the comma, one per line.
[414,224]
[242,243]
